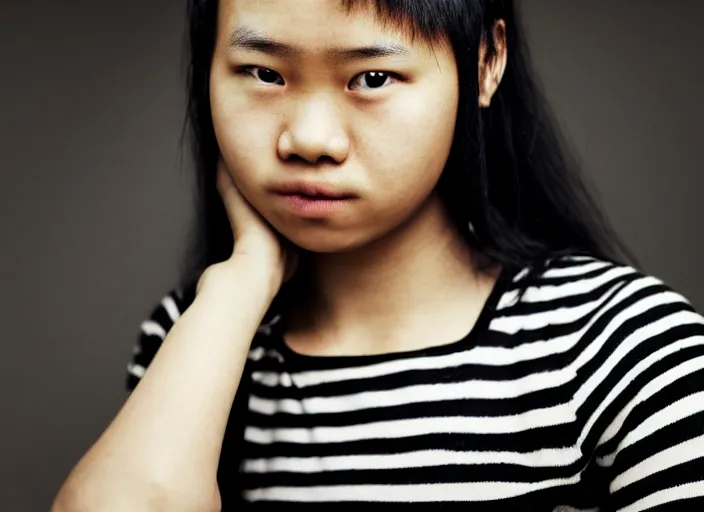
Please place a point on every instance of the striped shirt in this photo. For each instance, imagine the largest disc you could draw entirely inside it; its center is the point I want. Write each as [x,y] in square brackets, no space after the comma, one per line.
[584,393]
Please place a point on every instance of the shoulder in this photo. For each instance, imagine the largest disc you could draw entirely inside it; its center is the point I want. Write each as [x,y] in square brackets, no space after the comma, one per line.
[581,293]
[608,325]
[632,352]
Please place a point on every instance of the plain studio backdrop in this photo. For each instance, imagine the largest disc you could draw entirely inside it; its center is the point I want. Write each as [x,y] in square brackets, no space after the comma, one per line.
[94,201]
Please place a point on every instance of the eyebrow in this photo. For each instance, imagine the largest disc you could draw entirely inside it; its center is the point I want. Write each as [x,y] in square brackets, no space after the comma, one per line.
[245,38]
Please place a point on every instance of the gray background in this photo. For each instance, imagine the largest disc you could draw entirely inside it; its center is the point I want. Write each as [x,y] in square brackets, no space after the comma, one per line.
[94,200]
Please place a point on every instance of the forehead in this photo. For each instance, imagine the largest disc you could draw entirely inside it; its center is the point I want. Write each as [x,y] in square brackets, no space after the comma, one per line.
[313,24]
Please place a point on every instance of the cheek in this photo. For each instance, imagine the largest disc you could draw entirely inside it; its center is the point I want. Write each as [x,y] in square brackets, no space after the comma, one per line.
[245,135]
[413,144]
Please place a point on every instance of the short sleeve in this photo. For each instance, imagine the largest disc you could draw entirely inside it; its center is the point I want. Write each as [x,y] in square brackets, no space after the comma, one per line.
[651,450]
[154,329]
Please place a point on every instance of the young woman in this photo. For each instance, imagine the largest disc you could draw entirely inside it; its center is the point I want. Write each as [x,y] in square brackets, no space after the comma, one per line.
[401,293]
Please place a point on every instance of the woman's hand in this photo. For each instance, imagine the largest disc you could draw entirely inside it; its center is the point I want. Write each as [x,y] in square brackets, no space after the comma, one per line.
[256,242]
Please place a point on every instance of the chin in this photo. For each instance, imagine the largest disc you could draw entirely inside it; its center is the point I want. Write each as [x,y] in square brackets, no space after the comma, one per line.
[326,241]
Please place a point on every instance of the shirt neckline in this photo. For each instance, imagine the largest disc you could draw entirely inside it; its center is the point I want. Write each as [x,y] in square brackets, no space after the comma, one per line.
[481,326]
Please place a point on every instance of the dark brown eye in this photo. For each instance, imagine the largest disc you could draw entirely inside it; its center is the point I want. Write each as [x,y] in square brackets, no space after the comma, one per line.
[372,80]
[264,75]
[268,76]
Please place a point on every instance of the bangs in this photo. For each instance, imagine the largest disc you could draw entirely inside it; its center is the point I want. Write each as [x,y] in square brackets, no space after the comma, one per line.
[433,21]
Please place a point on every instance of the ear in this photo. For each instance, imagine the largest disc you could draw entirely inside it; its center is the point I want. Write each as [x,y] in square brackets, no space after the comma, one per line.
[491,69]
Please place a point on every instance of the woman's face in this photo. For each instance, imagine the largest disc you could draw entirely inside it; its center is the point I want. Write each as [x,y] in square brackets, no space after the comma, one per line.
[336,128]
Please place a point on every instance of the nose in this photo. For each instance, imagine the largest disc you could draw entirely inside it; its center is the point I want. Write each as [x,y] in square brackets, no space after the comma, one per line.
[314,132]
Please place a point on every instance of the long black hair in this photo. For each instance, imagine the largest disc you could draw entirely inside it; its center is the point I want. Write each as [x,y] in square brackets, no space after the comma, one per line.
[510,185]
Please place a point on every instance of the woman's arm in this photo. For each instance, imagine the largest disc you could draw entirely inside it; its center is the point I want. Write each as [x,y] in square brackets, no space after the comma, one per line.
[161,452]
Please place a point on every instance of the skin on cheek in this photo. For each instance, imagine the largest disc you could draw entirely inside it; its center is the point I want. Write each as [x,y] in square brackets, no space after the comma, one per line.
[418,143]
[244,133]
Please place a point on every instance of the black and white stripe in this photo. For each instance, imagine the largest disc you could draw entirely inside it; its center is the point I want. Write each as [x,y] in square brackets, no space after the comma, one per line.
[584,393]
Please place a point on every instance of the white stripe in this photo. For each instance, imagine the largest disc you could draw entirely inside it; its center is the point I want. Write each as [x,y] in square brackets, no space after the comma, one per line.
[256,354]
[682,453]
[273,379]
[577,258]
[171,308]
[577,270]
[464,491]
[680,492]
[136,370]
[548,457]
[395,429]
[520,275]
[545,292]
[422,393]
[259,353]
[507,300]
[151,328]
[314,378]
[561,316]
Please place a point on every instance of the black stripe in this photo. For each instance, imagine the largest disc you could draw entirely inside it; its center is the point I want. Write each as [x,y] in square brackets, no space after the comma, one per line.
[414,476]
[519,442]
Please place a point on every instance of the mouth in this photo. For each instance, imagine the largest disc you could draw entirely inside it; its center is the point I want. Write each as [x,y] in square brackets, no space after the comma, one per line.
[314,191]
[314,200]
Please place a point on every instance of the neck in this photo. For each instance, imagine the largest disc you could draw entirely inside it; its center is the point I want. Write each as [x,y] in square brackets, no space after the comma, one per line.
[416,287]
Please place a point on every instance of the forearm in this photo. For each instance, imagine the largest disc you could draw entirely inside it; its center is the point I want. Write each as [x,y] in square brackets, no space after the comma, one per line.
[168,435]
